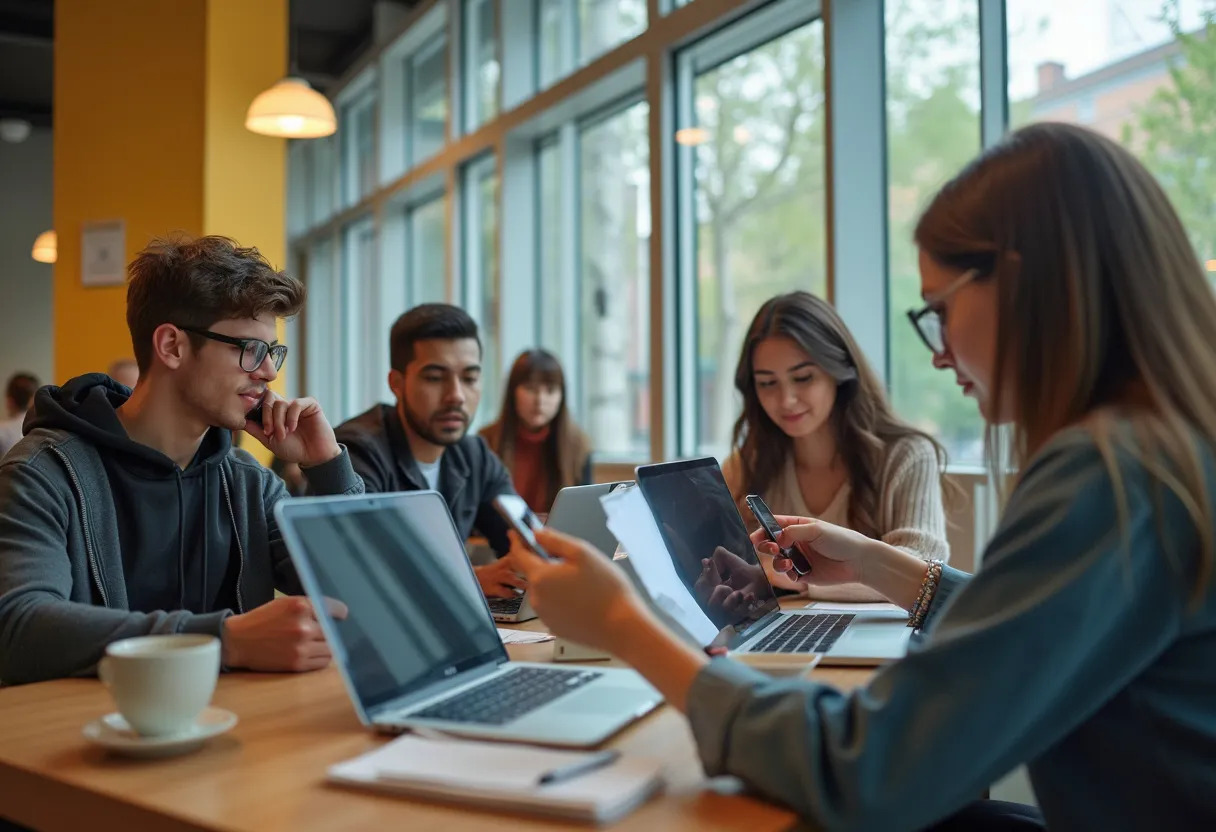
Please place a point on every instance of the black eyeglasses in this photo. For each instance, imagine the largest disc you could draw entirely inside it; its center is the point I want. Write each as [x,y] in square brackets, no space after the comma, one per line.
[927,321]
[253,350]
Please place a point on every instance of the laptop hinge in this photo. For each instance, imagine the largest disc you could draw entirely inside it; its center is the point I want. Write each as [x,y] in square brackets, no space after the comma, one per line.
[757,626]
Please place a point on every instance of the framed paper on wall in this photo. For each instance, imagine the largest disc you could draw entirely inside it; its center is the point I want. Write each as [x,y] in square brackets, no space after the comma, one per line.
[103,247]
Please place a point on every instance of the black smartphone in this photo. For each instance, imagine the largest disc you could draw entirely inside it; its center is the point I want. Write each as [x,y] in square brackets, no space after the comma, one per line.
[769,524]
[521,518]
[255,415]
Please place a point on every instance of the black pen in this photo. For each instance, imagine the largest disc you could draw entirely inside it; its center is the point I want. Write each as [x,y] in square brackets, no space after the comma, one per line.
[563,773]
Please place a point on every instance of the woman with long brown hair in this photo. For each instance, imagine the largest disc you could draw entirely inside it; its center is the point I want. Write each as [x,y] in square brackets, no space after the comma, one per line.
[1062,290]
[818,438]
[535,437]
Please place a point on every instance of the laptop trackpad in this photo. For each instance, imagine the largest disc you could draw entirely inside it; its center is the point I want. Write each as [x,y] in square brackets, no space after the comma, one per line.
[880,639]
[600,700]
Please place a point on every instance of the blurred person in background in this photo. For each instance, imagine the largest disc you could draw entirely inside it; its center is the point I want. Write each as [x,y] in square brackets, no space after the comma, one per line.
[535,436]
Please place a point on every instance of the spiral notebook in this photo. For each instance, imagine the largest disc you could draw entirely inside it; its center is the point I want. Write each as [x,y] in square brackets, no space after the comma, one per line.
[502,777]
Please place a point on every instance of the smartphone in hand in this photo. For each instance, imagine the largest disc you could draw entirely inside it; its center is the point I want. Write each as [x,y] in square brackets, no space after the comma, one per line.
[769,523]
[517,514]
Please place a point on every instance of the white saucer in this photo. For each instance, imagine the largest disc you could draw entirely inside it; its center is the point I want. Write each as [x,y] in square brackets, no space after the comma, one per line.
[112,732]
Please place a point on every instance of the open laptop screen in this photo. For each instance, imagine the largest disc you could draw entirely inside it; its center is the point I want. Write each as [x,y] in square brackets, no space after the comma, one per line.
[707,540]
[416,612]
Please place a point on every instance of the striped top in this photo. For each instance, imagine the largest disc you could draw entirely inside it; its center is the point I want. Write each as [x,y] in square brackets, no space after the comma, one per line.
[910,514]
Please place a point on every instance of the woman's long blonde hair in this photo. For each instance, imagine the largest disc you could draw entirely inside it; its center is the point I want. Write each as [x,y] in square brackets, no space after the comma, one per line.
[1104,312]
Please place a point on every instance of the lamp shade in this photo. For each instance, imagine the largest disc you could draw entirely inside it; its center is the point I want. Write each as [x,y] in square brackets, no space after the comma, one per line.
[293,110]
[46,247]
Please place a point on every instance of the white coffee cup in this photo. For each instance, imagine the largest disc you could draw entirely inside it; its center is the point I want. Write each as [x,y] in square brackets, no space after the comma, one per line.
[161,683]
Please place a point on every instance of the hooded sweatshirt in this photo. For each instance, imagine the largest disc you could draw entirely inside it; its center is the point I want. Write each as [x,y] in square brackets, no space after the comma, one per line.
[176,557]
[150,547]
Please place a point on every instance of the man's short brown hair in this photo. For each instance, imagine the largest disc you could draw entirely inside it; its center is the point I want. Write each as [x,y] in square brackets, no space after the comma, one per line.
[194,282]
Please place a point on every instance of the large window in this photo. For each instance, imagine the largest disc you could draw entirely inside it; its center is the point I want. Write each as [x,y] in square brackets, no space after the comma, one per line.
[428,100]
[933,129]
[1147,82]
[614,307]
[498,155]
[576,32]
[480,248]
[481,63]
[754,130]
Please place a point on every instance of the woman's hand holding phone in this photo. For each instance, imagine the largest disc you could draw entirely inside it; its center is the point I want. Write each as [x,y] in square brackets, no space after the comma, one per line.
[835,554]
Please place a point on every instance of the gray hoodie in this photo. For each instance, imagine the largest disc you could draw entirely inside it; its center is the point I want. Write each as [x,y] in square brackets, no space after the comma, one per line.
[77,495]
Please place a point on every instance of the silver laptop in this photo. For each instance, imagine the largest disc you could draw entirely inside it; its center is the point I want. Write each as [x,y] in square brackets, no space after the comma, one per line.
[577,512]
[714,558]
[419,647]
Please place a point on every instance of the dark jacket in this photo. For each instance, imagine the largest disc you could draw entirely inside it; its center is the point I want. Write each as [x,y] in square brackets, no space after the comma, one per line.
[102,538]
[470,475]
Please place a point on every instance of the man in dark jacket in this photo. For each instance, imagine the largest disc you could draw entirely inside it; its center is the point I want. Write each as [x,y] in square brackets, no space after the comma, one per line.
[126,513]
[422,442]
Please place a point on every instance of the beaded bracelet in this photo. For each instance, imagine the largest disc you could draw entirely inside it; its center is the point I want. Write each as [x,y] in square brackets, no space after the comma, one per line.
[928,588]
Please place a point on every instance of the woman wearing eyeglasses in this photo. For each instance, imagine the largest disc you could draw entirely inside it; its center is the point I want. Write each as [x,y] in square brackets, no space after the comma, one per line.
[1062,290]
[818,438]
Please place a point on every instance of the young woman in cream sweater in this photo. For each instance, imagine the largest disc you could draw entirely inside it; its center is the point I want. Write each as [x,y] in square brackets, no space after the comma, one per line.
[818,438]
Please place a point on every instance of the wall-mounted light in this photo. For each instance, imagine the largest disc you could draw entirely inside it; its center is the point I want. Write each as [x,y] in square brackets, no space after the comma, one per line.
[46,247]
[292,110]
[1211,264]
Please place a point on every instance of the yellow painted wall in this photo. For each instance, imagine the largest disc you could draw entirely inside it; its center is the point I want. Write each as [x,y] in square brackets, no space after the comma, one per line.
[244,174]
[129,81]
[150,102]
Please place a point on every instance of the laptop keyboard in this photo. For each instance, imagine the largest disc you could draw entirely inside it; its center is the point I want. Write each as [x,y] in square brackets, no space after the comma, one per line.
[804,634]
[506,606]
[507,697]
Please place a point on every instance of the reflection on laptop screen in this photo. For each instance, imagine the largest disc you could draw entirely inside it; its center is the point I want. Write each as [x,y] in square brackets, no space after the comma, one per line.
[706,537]
[416,614]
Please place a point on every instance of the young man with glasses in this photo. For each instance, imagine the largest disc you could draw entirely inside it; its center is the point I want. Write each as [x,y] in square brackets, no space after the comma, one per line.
[126,513]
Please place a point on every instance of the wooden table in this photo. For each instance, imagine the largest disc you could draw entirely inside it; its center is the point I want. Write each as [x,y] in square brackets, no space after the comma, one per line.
[268,772]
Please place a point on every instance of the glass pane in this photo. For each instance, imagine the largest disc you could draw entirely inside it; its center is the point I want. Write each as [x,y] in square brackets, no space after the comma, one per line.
[553,286]
[298,196]
[481,255]
[552,62]
[359,317]
[321,315]
[933,129]
[429,83]
[358,150]
[322,179]
[481,63]
[365,148]
[428,252]
[1146,82]
[614,316]
[760,205]
[604,24]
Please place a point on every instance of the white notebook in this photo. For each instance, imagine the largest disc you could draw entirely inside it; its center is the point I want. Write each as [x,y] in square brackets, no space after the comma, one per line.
[502,776]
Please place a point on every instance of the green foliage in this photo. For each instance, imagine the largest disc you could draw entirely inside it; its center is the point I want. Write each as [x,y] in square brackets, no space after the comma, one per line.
[1175,132]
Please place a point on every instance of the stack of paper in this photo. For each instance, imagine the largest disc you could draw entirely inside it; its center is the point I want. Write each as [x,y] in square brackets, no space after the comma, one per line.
[509,636]
[502,776]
